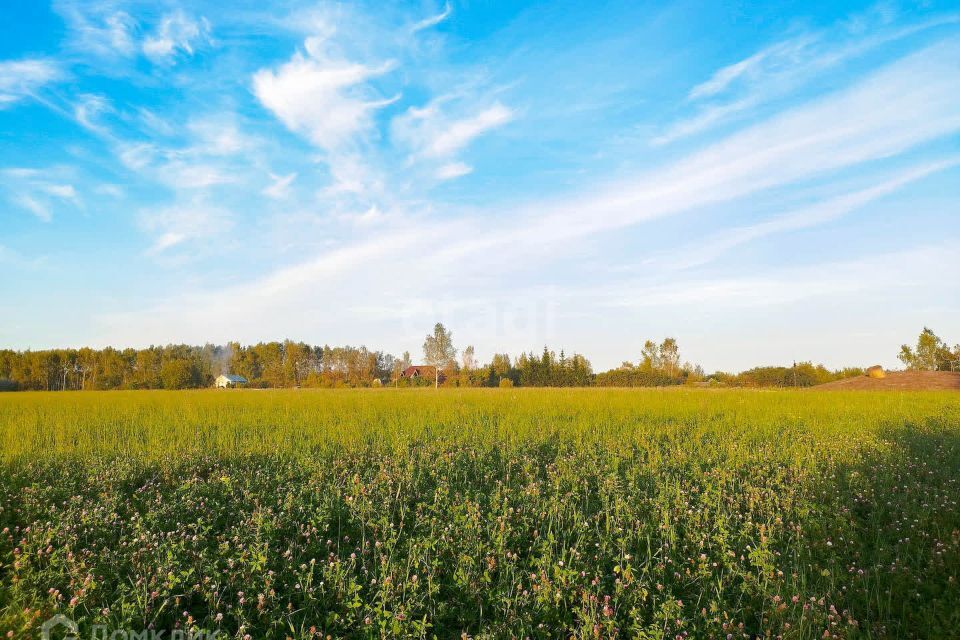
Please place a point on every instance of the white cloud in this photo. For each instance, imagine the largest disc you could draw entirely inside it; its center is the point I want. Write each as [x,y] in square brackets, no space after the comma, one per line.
[31,204]
[97,30]
[111,190]
[918,94]
[136,156]
[831,209]
[453,170]
[193,175]
[352,176]
[781,68]
[178,224]
[213,151]
[22,78]
[88,108]
[39,191]
[171,167]
[251,304]
[889,112]
[778,56]
[176,33]
[433,21]
[889,271]
[433,135]
[706,118]
[279,186]
[155,124]
[919,102]
[324,99]
[370,217]
[217,136]
[919,98]
[64,191]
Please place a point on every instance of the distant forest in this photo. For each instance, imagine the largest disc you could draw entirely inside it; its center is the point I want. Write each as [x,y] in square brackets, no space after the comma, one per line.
[291,364]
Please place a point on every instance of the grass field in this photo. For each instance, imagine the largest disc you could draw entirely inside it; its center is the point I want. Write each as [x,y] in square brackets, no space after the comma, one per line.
[492,513]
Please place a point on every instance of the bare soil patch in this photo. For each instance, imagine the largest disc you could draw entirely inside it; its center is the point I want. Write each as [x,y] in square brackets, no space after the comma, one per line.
[899,381]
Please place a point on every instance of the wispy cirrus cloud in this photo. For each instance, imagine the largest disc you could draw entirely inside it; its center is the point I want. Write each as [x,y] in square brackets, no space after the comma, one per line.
[21,79]
[101,30]
[432,21]
[87,110]
[176,34]
[108,32]
[887,271]
[40,191]
[453,170]
[824,211]
[783,67]
[279,186]
[777,58]
[431,134]
[34,206]
[184,223]
[386,104]
[918,94]
[173,167]
[840,130]
[454,136]
[206,151]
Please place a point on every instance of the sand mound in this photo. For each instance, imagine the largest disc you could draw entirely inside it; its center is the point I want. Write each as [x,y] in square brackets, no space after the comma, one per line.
[898,381]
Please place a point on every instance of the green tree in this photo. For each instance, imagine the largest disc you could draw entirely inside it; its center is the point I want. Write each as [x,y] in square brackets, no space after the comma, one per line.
[650,356]
[930,354]
[438,350]
[177,374]
[669,356]
[469,361]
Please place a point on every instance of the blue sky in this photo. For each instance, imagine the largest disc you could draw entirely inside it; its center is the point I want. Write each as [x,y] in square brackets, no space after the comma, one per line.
[765,183]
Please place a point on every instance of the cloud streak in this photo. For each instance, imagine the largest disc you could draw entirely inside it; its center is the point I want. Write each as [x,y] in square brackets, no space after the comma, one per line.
[21,79]
[183,223]
[823,212]
[176,34]
[778,70]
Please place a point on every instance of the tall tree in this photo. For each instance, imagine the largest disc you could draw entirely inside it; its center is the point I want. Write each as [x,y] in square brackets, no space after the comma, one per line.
[438,350]
[930,354]
[669,356]
[469,363]
[650,356]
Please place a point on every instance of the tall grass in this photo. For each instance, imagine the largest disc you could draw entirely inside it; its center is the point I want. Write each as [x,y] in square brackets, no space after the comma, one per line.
[492,513]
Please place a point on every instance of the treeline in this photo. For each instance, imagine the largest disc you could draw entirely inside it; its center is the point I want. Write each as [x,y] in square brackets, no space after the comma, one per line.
[802,374]
[267,364]
[298,364]
[659,366]
[544,370]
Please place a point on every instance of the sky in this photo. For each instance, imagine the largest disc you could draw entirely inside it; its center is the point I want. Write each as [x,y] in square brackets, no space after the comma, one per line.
[765,182]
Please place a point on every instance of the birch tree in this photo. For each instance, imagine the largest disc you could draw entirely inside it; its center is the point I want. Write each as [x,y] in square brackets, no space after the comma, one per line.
[438,350]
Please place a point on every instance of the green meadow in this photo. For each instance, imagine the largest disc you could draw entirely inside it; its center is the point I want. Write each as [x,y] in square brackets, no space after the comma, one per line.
[485,513]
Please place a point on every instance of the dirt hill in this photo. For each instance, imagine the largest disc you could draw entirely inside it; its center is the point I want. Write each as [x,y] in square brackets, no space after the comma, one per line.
[899,381]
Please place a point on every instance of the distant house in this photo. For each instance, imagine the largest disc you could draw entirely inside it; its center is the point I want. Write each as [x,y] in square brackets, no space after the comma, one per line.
[227,380]
[425,371]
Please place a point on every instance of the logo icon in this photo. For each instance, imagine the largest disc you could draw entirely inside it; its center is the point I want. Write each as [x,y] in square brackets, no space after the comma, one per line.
[71,631]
